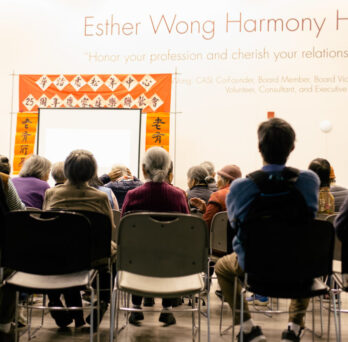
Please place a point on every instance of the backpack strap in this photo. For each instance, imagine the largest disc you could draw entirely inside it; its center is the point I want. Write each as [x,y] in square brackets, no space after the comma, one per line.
[273,182]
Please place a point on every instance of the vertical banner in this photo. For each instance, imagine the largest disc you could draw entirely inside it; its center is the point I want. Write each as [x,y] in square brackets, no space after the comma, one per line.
[25,139]
[157,130]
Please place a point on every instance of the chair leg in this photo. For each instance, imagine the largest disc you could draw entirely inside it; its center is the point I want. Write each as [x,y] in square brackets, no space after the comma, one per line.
[313,320]
[16,318]
[98,308]
[208,315]
[234,308]
[241,314]
[333,300]
[112,315]
[199,317]
[91,315]
[118,294]
[193,318]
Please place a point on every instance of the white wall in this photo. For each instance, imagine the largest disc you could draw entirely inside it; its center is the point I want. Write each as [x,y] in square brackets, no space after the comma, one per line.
[48,37]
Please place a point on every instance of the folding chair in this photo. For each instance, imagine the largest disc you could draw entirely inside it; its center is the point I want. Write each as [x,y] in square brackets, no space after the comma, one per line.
[340,273]
[291,265]
[49,251]
[161,255]
[117,219]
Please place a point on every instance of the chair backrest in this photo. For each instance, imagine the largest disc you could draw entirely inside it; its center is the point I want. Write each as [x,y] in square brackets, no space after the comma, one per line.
[220,241]
[117,219]
[289,253]
[46,242]
[162,244]
[337,254]
[101,234]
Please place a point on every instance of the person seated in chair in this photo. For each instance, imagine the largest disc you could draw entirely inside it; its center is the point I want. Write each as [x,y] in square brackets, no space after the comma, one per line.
[276,141]
[9,200]
[326,200]
[155,195]
[120,180]
[75,194]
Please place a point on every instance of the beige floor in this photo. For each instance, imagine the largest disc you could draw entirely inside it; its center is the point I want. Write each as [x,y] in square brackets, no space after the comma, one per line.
[152,330]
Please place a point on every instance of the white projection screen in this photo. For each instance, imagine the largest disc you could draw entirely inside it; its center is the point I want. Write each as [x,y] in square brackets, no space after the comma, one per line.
[112,135]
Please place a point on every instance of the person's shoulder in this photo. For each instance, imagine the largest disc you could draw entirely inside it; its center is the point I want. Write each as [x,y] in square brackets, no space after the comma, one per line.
[309,176]
[242,183]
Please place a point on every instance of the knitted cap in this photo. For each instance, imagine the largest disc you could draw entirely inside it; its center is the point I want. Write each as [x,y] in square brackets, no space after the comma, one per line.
[230,172]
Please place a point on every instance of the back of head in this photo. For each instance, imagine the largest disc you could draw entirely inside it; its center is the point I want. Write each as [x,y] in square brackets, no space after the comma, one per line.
[276,140]
[57,172]
[80,166]
[5,165]
[322,168]
[36,166]
[229,173]
[209,166]
[121,168]
[156,164]
[198,175]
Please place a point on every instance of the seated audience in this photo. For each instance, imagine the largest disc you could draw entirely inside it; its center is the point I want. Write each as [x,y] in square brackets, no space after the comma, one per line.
[338,192]
[170,176]
[155,195]
[75,194]
[9,201]
[120,180]
[57,173]
[31,184]
[5,166]
[276,141]
[217,199]
[198,181]
[341,222]
[209,166]
[326,200]
[95,182]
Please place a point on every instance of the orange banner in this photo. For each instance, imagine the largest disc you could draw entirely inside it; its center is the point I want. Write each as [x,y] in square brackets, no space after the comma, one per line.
[149,92]
[157,130]
[25,139]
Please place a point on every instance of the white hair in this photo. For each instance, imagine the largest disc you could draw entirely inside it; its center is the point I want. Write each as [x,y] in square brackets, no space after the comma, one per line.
[209,166]
[35,166]
[156,164]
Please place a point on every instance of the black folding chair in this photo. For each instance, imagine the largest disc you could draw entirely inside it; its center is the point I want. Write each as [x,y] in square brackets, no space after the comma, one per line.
[49,251]
[288,261]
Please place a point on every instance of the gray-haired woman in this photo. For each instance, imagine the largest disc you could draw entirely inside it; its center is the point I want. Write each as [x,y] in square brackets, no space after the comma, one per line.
[155,195]
[198,181]
[31,184]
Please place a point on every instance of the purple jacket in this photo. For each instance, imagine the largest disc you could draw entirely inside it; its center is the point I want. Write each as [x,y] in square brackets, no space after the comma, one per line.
[31,190]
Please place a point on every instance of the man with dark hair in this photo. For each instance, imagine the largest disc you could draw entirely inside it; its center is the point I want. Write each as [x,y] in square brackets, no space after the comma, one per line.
[276,141]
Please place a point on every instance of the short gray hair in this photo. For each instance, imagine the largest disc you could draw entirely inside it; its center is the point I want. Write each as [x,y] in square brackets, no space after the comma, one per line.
[198,174]
[156,164]
[209,166]
[35,166]
[57,172]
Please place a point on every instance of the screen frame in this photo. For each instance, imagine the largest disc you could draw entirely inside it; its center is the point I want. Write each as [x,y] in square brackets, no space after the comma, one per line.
[92,108]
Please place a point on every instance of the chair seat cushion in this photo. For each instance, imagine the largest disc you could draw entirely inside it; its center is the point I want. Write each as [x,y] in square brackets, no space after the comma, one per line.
[50,282]
[159,287]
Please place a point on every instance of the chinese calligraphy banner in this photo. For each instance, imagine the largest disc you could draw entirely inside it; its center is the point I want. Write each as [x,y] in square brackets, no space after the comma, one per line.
[157,130]
[149,92]
[25,139]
